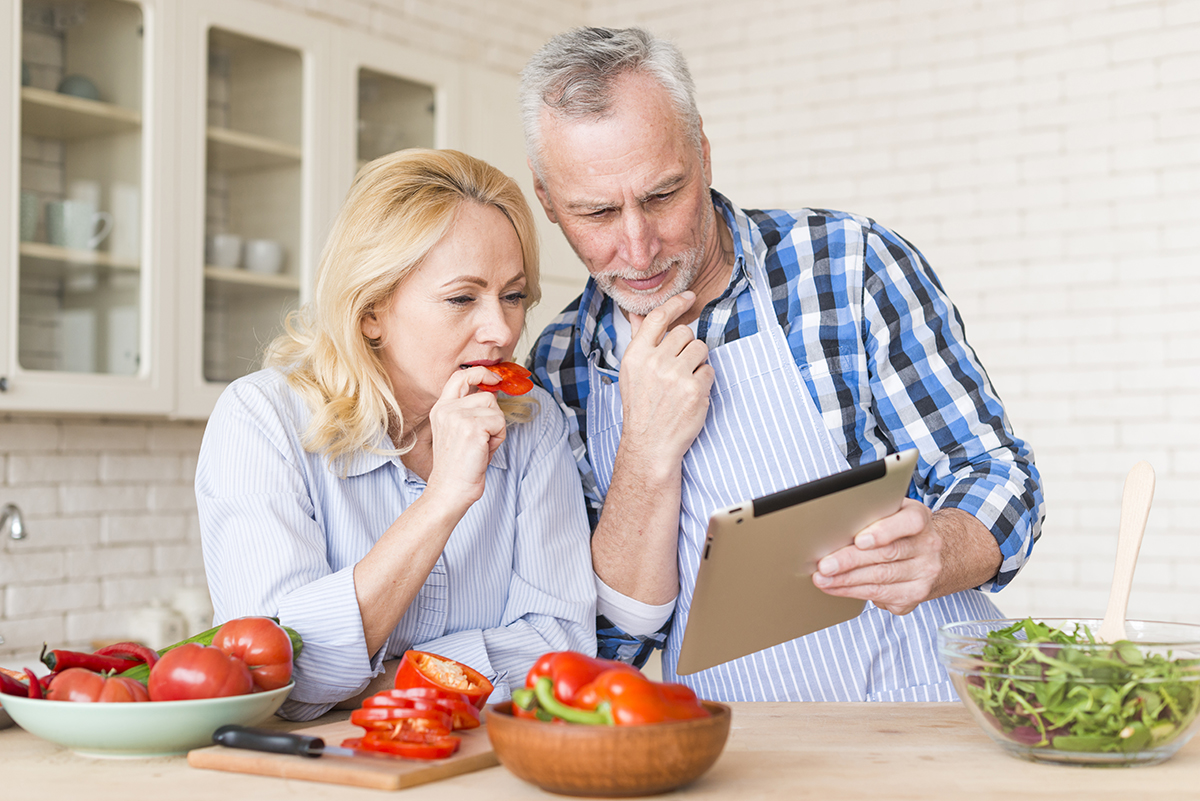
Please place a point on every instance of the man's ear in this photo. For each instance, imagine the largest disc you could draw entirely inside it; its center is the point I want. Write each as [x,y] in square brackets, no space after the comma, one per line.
[705,154]
[543,194]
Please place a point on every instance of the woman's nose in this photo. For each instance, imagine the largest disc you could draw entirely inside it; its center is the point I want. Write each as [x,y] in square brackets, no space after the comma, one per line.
[495,326]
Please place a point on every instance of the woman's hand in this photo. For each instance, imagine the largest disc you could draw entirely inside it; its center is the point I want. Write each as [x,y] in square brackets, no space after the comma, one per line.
[467,427]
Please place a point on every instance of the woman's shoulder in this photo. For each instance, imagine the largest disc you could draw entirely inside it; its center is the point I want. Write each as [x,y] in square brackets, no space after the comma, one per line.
[266,397]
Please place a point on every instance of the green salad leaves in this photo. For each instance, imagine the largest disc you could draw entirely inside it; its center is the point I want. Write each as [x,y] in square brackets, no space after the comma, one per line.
[1045,687]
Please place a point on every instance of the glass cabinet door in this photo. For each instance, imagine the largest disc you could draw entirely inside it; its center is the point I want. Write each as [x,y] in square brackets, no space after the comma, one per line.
[80,298]
[252,226]
[393,114]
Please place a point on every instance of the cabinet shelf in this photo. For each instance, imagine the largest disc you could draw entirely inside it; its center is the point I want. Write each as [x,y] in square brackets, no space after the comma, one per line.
[64,117]
[247,278]
[40,255]
[235,151]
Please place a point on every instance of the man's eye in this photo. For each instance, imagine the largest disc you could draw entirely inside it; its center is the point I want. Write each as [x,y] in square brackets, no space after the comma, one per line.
[661,196]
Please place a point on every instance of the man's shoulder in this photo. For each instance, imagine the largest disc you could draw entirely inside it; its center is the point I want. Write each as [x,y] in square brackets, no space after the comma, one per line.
[557,340]
[806,221]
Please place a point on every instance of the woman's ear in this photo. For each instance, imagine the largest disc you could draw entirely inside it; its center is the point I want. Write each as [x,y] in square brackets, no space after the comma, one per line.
[370,326]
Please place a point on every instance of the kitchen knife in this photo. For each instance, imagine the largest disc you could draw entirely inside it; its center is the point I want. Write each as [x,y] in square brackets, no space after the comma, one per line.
[282,742]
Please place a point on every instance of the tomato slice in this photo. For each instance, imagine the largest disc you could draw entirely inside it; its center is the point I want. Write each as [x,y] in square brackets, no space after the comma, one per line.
[514,379]
[435,748]
[421,669]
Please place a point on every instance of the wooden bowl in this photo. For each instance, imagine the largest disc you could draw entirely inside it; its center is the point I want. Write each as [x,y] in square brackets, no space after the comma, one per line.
[607,761]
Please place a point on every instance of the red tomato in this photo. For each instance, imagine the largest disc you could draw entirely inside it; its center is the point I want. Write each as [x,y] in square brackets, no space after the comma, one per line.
[83,685]
[514,379]
[263,645]
[198,671]
[421,669]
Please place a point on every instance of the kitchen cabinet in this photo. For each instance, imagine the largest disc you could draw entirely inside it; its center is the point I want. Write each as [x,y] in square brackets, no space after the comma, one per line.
[225,136]
[85,286]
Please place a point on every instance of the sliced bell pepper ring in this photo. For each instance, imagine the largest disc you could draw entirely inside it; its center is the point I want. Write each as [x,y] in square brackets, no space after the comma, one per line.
[569,672]
[399,721]
[435,748]
[421,669]
[514,379]
[462,714]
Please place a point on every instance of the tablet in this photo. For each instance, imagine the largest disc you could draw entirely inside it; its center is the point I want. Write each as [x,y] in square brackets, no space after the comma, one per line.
[754,587]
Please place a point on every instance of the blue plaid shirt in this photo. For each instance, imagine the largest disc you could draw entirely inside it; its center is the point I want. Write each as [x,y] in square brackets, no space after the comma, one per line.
[882,352]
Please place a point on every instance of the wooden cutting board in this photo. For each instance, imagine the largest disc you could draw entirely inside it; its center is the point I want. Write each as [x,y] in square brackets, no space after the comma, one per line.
[380,773]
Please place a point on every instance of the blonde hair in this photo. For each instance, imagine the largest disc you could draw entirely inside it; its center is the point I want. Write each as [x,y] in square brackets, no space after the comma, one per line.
[399,207]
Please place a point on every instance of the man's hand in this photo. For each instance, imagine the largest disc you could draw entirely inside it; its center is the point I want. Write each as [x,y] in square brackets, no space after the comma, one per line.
[665,384]
[911,557]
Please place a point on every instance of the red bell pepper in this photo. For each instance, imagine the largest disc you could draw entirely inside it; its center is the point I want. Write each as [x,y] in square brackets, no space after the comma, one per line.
[463,714]
[623,698]
[432,748]
[403,723]
[421,669]
[569,672]
[514,379]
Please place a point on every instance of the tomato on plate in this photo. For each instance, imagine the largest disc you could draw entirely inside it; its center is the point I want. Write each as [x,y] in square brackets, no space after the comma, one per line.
[514,379]
[198,671]
[83,685]
[263,645]
[421,669]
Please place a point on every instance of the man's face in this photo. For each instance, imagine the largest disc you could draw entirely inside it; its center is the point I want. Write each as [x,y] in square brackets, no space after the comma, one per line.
[630,193]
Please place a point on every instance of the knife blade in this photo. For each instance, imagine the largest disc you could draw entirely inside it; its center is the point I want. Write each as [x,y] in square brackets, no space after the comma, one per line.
[282,742]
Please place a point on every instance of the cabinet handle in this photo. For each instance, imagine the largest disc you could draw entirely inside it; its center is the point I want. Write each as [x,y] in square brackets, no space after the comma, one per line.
[3,383]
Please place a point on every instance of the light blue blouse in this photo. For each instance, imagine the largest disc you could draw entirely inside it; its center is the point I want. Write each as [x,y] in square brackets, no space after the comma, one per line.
[282,533]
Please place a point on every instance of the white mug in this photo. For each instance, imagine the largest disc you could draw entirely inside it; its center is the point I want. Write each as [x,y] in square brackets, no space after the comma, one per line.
[72,224]
[264,256]
[223,250]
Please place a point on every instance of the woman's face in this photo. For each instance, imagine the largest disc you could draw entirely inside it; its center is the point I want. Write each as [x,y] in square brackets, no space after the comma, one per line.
[462,306]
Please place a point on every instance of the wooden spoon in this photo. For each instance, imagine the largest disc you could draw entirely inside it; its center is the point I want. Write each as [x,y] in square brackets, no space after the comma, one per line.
[1135,508]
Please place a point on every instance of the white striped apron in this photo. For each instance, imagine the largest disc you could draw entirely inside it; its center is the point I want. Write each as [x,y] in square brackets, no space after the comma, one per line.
[763,433]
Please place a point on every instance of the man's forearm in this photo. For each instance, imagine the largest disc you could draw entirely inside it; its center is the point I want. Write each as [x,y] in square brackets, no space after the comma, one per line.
[635,545]
[970,554]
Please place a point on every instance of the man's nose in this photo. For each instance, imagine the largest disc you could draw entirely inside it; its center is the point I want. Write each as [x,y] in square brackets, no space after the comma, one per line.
[639,240]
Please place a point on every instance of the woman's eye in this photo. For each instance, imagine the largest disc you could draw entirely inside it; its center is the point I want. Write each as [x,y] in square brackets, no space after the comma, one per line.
[461,300]
[515,297]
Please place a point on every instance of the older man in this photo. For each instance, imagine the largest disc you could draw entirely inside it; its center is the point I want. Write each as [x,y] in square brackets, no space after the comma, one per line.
[710,339]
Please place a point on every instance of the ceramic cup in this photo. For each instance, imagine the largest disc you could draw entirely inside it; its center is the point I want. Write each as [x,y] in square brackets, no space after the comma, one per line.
[264,256]
[29,216]
[223,250]
[76,224]
[79,86]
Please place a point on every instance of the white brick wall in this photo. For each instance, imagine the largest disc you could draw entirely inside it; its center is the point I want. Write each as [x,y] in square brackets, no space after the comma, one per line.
[1045,157]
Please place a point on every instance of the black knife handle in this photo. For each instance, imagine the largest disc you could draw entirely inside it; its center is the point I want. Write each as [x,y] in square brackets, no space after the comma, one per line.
[275,742]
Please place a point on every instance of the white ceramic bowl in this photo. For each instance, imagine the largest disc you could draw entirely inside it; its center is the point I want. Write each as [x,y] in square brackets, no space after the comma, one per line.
[145,729]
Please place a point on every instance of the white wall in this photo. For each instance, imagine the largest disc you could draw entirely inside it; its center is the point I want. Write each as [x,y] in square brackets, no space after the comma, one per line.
[1045,157]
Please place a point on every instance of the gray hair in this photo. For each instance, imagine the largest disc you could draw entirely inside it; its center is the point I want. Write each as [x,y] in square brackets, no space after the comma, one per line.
[573,76]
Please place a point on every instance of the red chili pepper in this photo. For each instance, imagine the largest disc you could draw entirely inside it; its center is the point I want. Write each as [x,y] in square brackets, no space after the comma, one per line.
[570,671]
[13,686]
[130,650]
[435,748]
[514,379]
[59,660]
[35,686]
[421,669]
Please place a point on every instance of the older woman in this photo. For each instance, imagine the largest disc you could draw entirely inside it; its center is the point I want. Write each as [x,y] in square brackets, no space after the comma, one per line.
[363,489]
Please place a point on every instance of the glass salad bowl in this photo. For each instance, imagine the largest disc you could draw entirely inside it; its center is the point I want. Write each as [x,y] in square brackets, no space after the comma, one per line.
[1046,691]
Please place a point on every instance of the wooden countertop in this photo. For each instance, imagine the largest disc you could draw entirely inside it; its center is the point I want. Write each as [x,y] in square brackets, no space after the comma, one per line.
[786,751]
